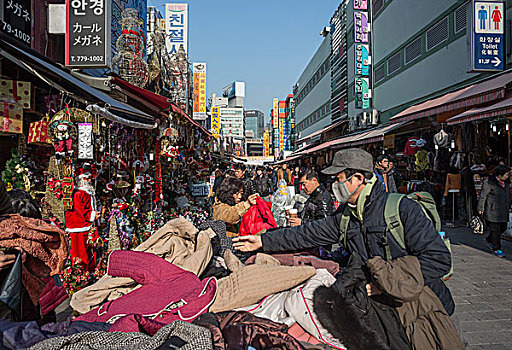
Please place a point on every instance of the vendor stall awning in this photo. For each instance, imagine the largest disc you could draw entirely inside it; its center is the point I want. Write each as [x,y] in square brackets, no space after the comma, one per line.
[375,135]
[499,109]
[320,132]
[62,80]
[472,95]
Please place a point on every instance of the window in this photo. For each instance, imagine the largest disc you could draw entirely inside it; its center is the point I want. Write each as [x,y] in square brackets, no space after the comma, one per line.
[394,62]
[437,34]
[377,6]
[461,15]
[380,73]
[413,50]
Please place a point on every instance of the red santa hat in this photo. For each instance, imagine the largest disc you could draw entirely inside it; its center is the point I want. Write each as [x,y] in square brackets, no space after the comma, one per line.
[87,170]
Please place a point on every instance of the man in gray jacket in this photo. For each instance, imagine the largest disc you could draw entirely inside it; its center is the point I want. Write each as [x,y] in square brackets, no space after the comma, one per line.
[494,205]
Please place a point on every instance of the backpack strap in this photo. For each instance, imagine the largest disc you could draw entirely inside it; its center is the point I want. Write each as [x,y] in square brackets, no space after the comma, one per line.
[345,219]
[393,223]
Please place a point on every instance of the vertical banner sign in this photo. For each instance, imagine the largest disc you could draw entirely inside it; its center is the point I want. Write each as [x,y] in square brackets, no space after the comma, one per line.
[176,27]
[362,86]
[361,27]
[85,143]
[199,91]
[362,60]
[360,4]
[488,45]
[266,146]
[215,121]
[281,134]
[88,33]
[16,21]
[276,113]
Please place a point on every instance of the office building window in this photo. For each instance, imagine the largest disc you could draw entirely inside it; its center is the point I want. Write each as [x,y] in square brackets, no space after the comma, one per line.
[413,50]
[394,62]
[438,34]
[377,6]
[461,16]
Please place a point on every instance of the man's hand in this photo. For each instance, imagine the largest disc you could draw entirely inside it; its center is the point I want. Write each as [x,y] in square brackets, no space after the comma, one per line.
[247,243]
[295,222]
[6,260]
[252,199]
[372,289]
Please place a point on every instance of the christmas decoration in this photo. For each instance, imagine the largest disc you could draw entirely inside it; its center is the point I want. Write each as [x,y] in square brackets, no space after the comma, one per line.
[16,173]
[38,132]
[85,145]
[11,118]
[20,91]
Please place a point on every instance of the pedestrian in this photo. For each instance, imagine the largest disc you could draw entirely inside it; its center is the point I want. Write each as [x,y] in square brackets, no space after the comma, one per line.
[494,205]
[385,174]
[229,206]
[219,177]
[284,174]
[395,173]
[242,174]
[365,197]
[262,184]
[319,203]
[272,175]
[296,179]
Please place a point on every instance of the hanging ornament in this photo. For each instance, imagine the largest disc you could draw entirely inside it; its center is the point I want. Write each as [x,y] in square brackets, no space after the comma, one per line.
[85,145]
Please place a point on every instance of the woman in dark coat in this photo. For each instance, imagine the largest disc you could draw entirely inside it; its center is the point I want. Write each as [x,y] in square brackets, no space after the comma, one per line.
[494,205]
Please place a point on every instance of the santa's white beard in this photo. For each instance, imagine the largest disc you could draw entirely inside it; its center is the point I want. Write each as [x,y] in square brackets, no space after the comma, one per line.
[86,186]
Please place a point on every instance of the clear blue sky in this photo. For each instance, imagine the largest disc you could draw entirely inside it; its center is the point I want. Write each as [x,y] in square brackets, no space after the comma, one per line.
[266,43]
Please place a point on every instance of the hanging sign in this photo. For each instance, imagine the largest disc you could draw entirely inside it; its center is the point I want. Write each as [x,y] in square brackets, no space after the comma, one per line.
[16,21]
[176,27]
[488,45]
[88,24]
[266,146]
[67,186]
[215,121]
[361,27]
[199,91]
[85,145]
[389,141]
[360,4]
[276,113]
[362,60]
[281,134]
[363,93]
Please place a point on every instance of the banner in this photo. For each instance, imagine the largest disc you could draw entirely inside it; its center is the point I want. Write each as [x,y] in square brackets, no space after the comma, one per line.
[199,91]
[363,94]
[361,27]
[88,33]
[266,145]
[176,27]
[362,59]
[16,22]
[281,134]
[215,121]
[276,113]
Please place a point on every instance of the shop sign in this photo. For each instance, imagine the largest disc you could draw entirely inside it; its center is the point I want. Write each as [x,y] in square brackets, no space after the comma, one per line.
[176,27]
[266,145]
[16,21]
[199,91]
[362,60]
[281,134]
[361,27]
[389,141]
[67,186]
[88,33]
[362,93]
[488,45]
[360,4]
[215,121]
[276,113]
[199,190]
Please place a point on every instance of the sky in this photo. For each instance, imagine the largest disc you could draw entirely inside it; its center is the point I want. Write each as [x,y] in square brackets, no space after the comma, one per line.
[265,43]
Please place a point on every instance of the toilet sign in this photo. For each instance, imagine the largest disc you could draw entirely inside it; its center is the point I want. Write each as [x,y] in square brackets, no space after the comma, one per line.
[487,36]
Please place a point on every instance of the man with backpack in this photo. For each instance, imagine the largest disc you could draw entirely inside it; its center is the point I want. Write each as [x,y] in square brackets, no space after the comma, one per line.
[369,225]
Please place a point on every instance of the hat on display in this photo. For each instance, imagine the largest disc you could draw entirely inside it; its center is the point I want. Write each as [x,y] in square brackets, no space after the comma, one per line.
[421,143]
[352,158]
[441,139]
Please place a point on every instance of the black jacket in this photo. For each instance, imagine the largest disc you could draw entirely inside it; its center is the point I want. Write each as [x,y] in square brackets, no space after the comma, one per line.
[495,200]
[318,206]
[421,237]
[248,187]
[262,185]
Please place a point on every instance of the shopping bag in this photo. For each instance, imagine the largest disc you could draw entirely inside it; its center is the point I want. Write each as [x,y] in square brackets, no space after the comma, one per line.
[10,291]
[476,224]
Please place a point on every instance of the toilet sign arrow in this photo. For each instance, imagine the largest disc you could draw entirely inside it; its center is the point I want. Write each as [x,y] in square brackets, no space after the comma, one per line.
[496,61]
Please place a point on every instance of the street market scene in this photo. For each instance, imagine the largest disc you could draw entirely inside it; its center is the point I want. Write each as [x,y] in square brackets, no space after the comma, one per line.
[229,175]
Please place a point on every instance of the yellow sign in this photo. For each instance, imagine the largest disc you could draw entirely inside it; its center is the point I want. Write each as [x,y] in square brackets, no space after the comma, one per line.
[281,134]
[215,121]
[389,141]
[199,91]
[266,146]
[276,113]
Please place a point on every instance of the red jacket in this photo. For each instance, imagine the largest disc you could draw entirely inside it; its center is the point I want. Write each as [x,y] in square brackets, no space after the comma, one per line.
[168,293]
[259,217]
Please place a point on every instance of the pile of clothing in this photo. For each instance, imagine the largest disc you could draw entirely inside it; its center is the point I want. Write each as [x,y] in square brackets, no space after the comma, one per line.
[185,288]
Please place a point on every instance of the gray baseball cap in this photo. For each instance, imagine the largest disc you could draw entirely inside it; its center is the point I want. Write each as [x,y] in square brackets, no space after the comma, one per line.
[351,158]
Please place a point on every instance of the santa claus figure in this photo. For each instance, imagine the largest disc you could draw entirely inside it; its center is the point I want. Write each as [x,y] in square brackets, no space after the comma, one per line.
[80,220]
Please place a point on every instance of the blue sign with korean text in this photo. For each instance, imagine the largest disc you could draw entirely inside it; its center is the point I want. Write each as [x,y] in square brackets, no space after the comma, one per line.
[488,45]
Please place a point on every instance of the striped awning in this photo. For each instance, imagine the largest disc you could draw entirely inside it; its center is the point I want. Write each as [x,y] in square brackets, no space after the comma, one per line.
[375,135]
[469,96]
[500,109]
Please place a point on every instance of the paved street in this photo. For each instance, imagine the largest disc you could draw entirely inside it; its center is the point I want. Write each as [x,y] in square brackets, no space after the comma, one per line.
[482,289]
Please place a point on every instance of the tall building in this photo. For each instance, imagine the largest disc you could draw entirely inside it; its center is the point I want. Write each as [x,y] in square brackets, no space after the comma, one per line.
[313,92]
[283,123]
[235,93]
[254,124]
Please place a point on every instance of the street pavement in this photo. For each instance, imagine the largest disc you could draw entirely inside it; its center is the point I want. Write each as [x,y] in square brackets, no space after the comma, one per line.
[482,289]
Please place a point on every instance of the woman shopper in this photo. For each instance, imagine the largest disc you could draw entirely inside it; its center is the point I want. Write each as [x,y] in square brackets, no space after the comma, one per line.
[494,205]
[229,206]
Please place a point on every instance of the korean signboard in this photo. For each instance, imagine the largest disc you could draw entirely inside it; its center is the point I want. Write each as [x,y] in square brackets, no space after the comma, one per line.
[276,113]
[215,121]
[176,27]
[16,21]
[199,91]
[266,145]
[363,95]
[88,33]
[488,46]
[360,4]
[362,60]
[361,27]
[281,134]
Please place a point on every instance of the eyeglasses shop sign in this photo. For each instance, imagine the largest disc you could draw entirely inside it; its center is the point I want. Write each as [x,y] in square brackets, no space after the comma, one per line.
[88,33]
[15,20]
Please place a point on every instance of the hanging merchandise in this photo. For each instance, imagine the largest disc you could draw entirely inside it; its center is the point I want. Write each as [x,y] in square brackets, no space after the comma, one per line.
[16,174]
[421,161]
[11,118]
[441,139]
[38,132]
[20,91]
[85,144]
[411,147]
[67,186]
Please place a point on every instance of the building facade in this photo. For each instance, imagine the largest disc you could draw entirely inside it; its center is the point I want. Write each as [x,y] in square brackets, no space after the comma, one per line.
[254,123]
[338,63]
